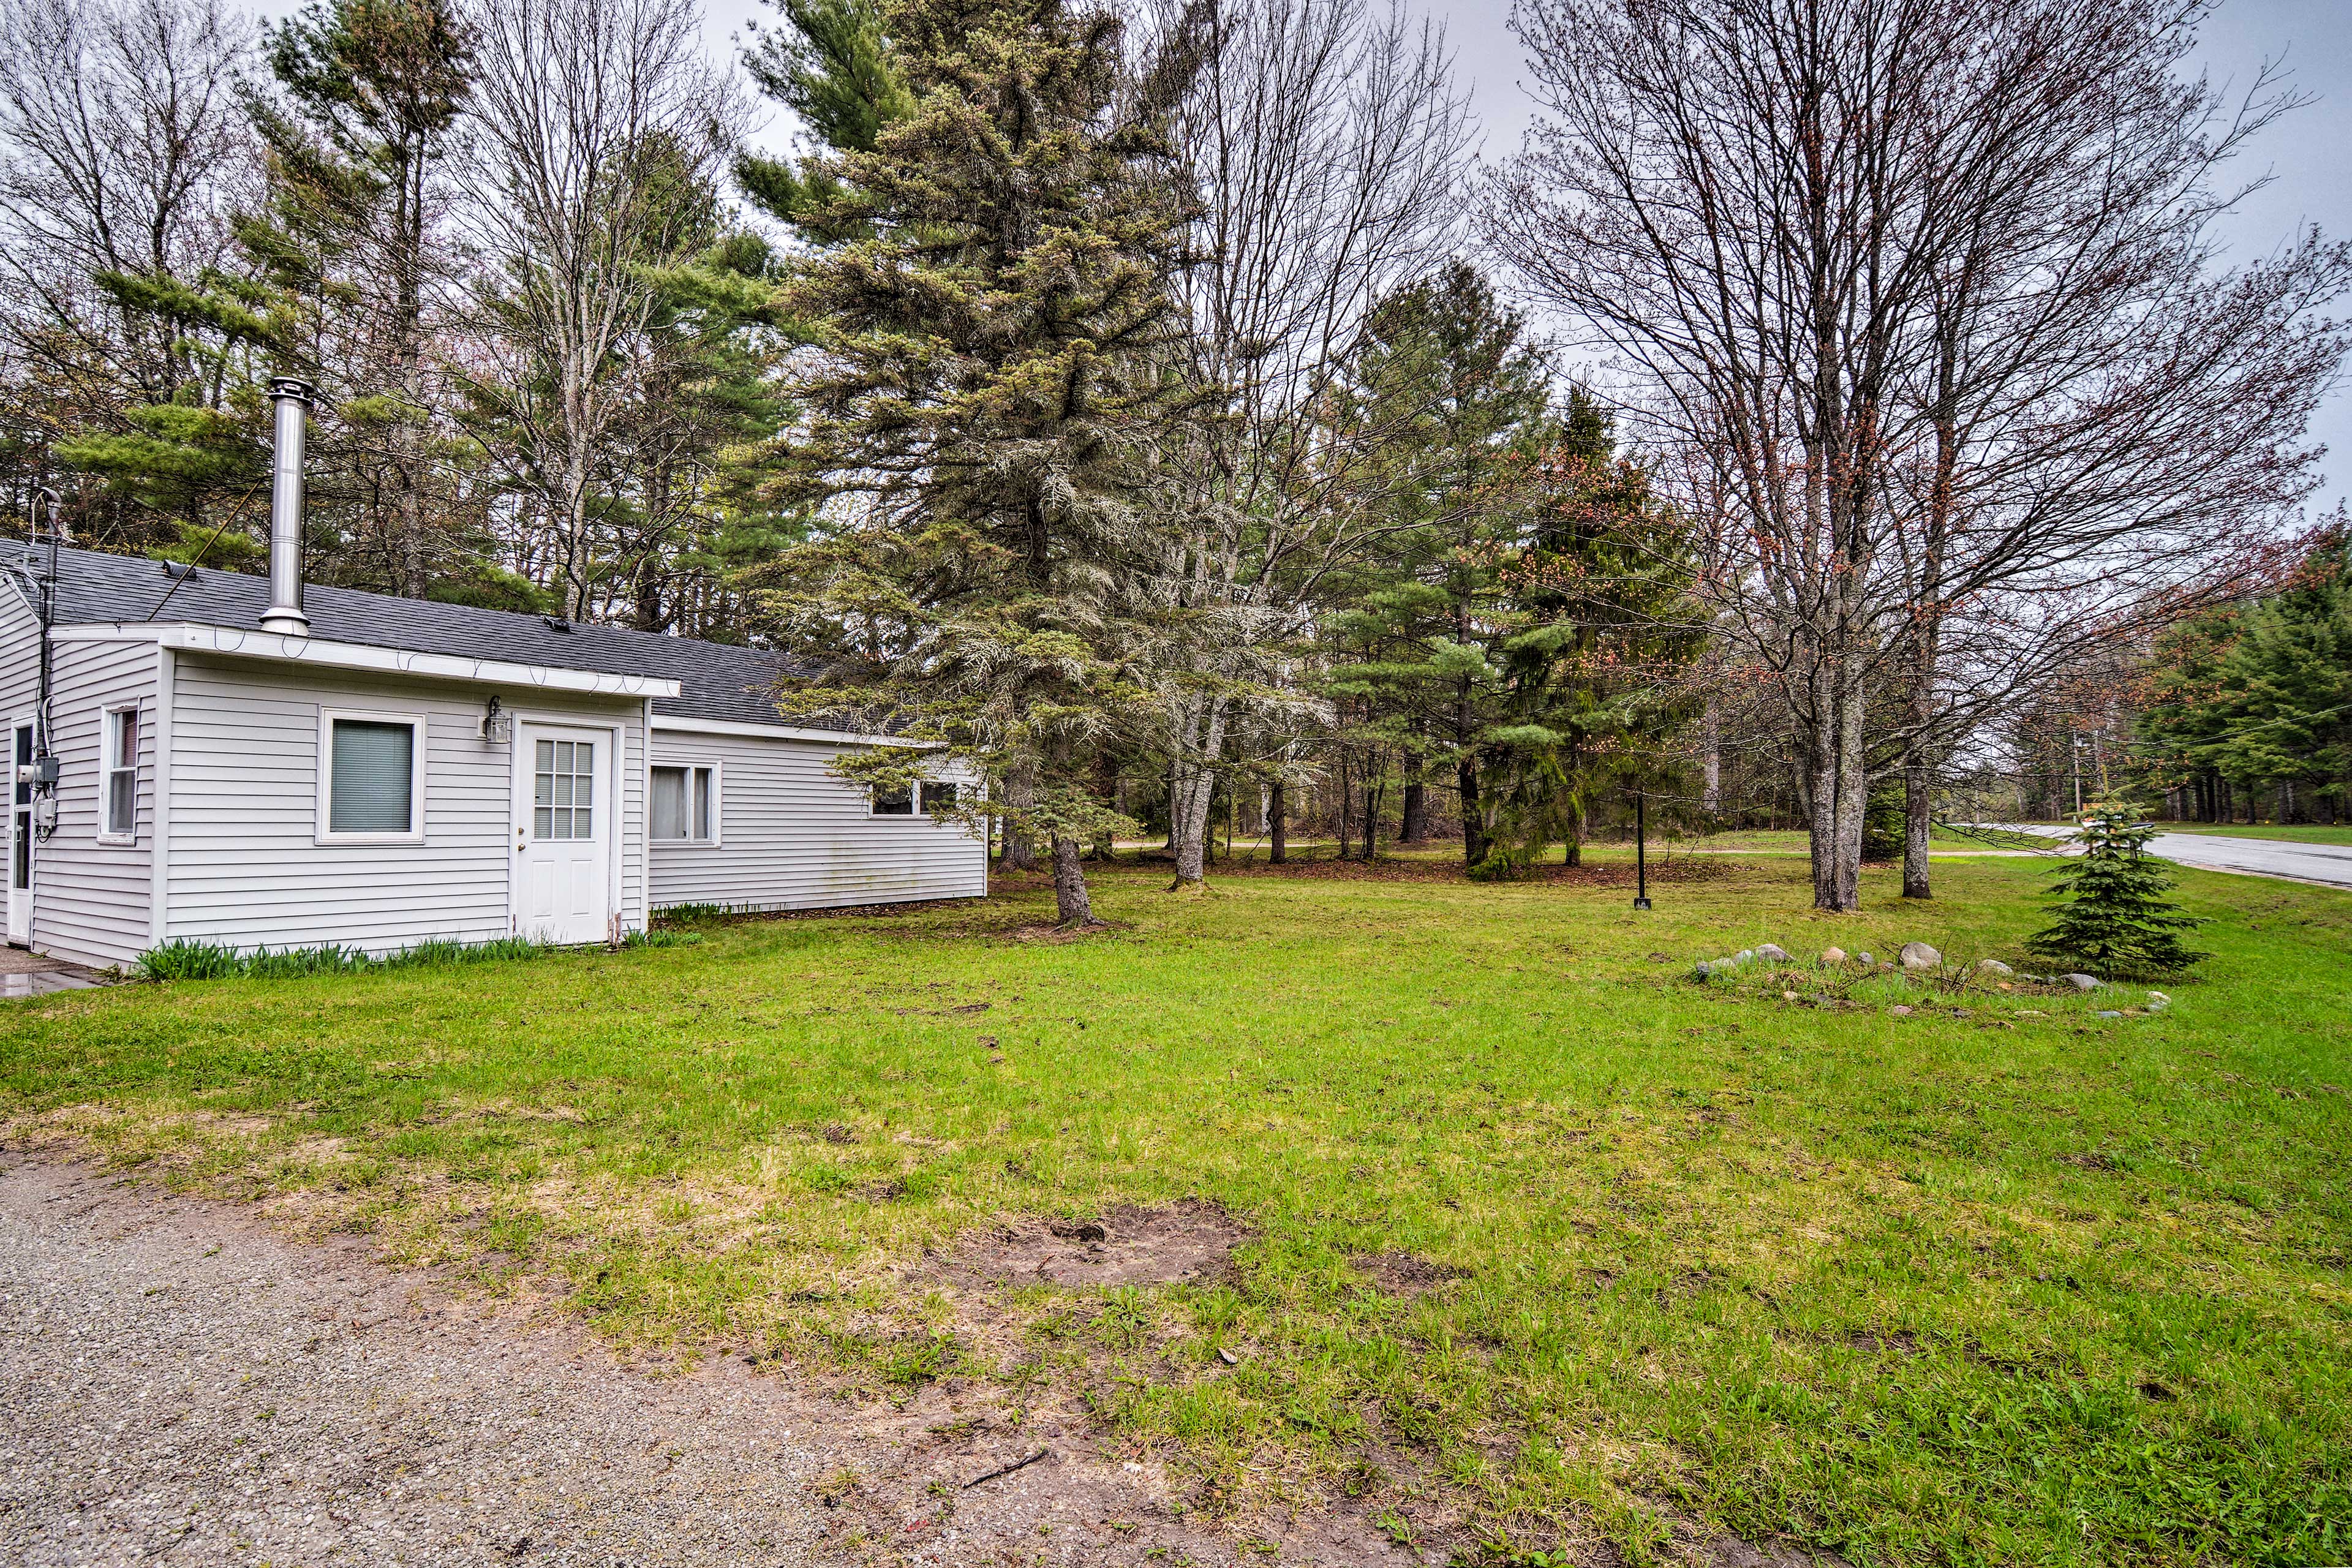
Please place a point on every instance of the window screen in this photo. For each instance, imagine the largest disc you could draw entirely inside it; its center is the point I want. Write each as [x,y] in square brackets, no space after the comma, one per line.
[373,778]
[898,802]
[681,810]
[939,797]
[669,802]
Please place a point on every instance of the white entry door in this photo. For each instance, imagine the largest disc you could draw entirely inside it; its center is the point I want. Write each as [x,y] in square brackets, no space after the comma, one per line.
[563,828]
[20,837]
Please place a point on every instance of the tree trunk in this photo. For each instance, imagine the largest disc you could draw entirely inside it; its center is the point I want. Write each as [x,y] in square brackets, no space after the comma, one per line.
[1020,792]
[1577,828]
[1853,799]
[1106,847]
[1915,823]
[1070,900]
[1415,828]
[1371,819]
[1192,783]
[1837,791]
[1345,798]
[1473,824]
[1711,733]
[1277,825]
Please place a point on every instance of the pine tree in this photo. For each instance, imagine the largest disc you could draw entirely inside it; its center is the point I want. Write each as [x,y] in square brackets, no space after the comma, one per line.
[1602,593]
[2115,921]
[369,95]
[830,67]
[985,410]
[1460,405]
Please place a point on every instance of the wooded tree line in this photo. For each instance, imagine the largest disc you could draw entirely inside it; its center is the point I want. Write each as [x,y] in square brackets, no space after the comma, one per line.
[1120,398]
[2244,712]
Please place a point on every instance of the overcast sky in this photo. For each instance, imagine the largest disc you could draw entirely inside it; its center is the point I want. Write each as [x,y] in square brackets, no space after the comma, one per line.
[2308,155]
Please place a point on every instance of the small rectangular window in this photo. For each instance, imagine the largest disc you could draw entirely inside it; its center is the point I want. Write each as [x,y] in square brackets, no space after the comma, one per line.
[121,816]
[899,802]
[682,805]
[371,776]
[938,797]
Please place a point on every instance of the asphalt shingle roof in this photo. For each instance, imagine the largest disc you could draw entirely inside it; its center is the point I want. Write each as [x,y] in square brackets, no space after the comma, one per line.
[717,680]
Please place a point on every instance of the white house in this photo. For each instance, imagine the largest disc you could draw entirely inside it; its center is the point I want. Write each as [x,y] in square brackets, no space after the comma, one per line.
[209,755]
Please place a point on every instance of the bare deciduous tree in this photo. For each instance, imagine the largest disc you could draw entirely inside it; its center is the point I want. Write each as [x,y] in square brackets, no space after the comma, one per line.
[1325,143]
[598,128]
[121,141]
[1926,285]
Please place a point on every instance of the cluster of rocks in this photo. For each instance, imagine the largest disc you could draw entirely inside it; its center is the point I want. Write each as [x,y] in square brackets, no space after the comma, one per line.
[1914,958]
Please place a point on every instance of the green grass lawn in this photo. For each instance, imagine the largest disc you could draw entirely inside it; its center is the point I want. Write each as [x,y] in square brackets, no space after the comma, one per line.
[1931,1289]
[2299,833]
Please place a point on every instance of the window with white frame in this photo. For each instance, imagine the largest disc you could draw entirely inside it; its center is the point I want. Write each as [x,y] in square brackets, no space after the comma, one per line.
[939,797]
[898,802]
[371,783]
[686,805]
[119,811]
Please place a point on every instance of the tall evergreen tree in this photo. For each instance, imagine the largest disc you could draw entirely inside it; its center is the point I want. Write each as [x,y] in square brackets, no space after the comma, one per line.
[829,66]
[1597,674]
[985,416]
[369,95]
[1445,371]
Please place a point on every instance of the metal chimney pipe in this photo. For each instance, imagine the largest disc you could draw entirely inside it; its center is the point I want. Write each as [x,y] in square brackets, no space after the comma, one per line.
[292,398]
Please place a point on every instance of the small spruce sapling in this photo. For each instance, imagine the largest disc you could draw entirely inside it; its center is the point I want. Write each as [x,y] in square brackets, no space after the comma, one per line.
[2115,921]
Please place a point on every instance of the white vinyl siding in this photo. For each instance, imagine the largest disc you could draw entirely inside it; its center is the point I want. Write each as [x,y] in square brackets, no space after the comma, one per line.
[248,866]
[93,891]
[799,837]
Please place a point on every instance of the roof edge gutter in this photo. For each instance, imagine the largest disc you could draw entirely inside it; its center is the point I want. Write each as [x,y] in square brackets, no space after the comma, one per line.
[237,643]
[786,733]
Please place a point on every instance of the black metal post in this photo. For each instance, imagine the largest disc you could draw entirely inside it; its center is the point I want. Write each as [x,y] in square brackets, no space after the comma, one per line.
[1641,849]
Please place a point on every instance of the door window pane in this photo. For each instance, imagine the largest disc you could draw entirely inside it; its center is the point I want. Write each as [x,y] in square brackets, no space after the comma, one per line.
[373,778]
[563,790]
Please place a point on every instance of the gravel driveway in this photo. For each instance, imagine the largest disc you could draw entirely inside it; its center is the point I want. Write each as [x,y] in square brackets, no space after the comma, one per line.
[177,1384]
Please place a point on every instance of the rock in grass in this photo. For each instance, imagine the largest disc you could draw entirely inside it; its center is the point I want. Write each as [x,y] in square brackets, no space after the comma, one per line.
[1833,955]
[1919,955]
[2157,1001]
[2082,982]
[1865,959]
[1900,1011]
[2109,1015]
[1994,966]
[1743,955]
[1774,951]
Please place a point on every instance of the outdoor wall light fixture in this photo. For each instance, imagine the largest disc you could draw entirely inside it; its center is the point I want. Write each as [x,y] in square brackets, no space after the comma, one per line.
[498,727]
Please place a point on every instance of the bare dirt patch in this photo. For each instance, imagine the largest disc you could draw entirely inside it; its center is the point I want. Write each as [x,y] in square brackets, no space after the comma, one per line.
[1189,1239]
[1406,1274]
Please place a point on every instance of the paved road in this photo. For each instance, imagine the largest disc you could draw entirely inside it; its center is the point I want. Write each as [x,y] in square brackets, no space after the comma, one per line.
[2326,863]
